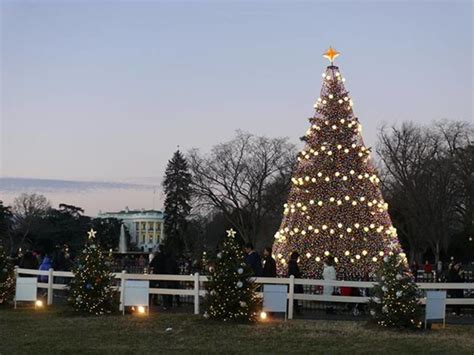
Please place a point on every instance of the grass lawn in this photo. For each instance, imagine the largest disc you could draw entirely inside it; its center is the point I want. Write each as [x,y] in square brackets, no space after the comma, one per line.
[53,331]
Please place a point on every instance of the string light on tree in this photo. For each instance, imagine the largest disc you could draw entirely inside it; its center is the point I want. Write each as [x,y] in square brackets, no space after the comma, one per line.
[335,192]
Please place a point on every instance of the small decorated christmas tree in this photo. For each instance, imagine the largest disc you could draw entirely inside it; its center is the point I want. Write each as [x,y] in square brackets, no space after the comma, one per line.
[395,297]
[231,292]
[7,279]
[91,291]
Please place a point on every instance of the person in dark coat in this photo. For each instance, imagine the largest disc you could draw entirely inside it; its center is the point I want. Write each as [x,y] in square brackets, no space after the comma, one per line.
[455,275]
[172,268]
[294,269]
[158,266]
[29,261]
[253,260]
[269,264]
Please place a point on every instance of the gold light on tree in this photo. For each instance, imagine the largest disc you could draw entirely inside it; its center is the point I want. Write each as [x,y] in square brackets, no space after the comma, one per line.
[335,207]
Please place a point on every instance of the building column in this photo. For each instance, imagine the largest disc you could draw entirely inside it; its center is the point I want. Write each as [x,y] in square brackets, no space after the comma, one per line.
[162,231]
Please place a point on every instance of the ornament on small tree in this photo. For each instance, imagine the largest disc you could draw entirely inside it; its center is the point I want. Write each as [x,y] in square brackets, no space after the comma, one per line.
[395,297]
[91,290]
[231,291]
[7,278]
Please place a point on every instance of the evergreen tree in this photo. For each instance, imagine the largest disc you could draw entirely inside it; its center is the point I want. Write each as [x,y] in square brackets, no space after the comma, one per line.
[395,297]
[5,221]
[335,206]
[231,291]
[91,290]
[7,278]
[177,188]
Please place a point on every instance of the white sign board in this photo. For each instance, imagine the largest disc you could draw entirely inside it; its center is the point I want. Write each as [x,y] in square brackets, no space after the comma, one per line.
[435,305]
[26,289]
[135,293]
[275,298]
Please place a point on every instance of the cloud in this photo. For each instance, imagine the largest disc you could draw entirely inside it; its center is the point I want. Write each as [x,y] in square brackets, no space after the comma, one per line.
[19,185]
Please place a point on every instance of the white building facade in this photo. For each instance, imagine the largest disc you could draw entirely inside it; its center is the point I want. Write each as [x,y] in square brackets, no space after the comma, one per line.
[146,227]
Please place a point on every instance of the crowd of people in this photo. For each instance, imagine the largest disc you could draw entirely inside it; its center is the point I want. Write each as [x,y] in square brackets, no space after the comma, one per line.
[266,267]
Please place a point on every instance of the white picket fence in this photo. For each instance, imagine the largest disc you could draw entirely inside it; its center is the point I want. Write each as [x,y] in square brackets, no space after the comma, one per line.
[197,290]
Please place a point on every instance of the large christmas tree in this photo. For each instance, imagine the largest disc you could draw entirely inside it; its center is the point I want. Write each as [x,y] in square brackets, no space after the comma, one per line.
[335,207]
[91,290]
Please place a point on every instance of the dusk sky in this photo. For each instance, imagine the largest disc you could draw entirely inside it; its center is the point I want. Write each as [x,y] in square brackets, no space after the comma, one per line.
[105,91]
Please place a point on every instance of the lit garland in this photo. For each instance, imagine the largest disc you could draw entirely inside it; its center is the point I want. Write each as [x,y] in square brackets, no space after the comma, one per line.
[91,290]
[231,293]
[335,206]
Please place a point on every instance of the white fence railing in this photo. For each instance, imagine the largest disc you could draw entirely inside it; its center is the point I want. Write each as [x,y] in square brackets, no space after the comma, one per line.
[197,290]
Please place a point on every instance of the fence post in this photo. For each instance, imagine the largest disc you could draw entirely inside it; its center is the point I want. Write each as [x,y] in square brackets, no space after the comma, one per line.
[50,286]
[291,293]
[122,286]
[196,293]
[15,273]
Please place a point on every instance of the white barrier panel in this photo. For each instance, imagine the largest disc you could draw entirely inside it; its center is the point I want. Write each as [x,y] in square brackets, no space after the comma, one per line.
[275,298]
[26,289]
[435,306]
[135,294]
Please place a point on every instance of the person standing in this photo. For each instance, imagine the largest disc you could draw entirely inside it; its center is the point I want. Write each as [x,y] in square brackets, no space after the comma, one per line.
[269,264]
[455,275]
[439,270]
[428,270]
[158,266]
[253,260]
[294,269]
[414,269]
[29,261]
[45,266]
[329,274]
[172,268]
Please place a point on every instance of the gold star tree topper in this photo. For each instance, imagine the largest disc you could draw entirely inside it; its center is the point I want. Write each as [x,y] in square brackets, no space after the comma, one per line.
[331,54]
[91,233]
[231,233]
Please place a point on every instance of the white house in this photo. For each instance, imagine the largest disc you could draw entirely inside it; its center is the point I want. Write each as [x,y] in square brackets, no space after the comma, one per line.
[146,227]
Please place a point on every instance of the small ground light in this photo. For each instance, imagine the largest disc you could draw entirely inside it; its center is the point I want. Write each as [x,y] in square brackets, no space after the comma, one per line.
[141,309]
[263,315]
[39,303]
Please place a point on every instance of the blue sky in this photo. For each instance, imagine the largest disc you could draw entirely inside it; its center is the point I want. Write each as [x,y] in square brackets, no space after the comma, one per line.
[106,90]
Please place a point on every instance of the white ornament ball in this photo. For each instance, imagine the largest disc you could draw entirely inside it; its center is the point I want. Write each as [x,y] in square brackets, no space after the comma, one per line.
[399,277]
[385,259]
[239,284]
[240,271]
[243,304]
[399,293]
[219,255]
[384,288]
